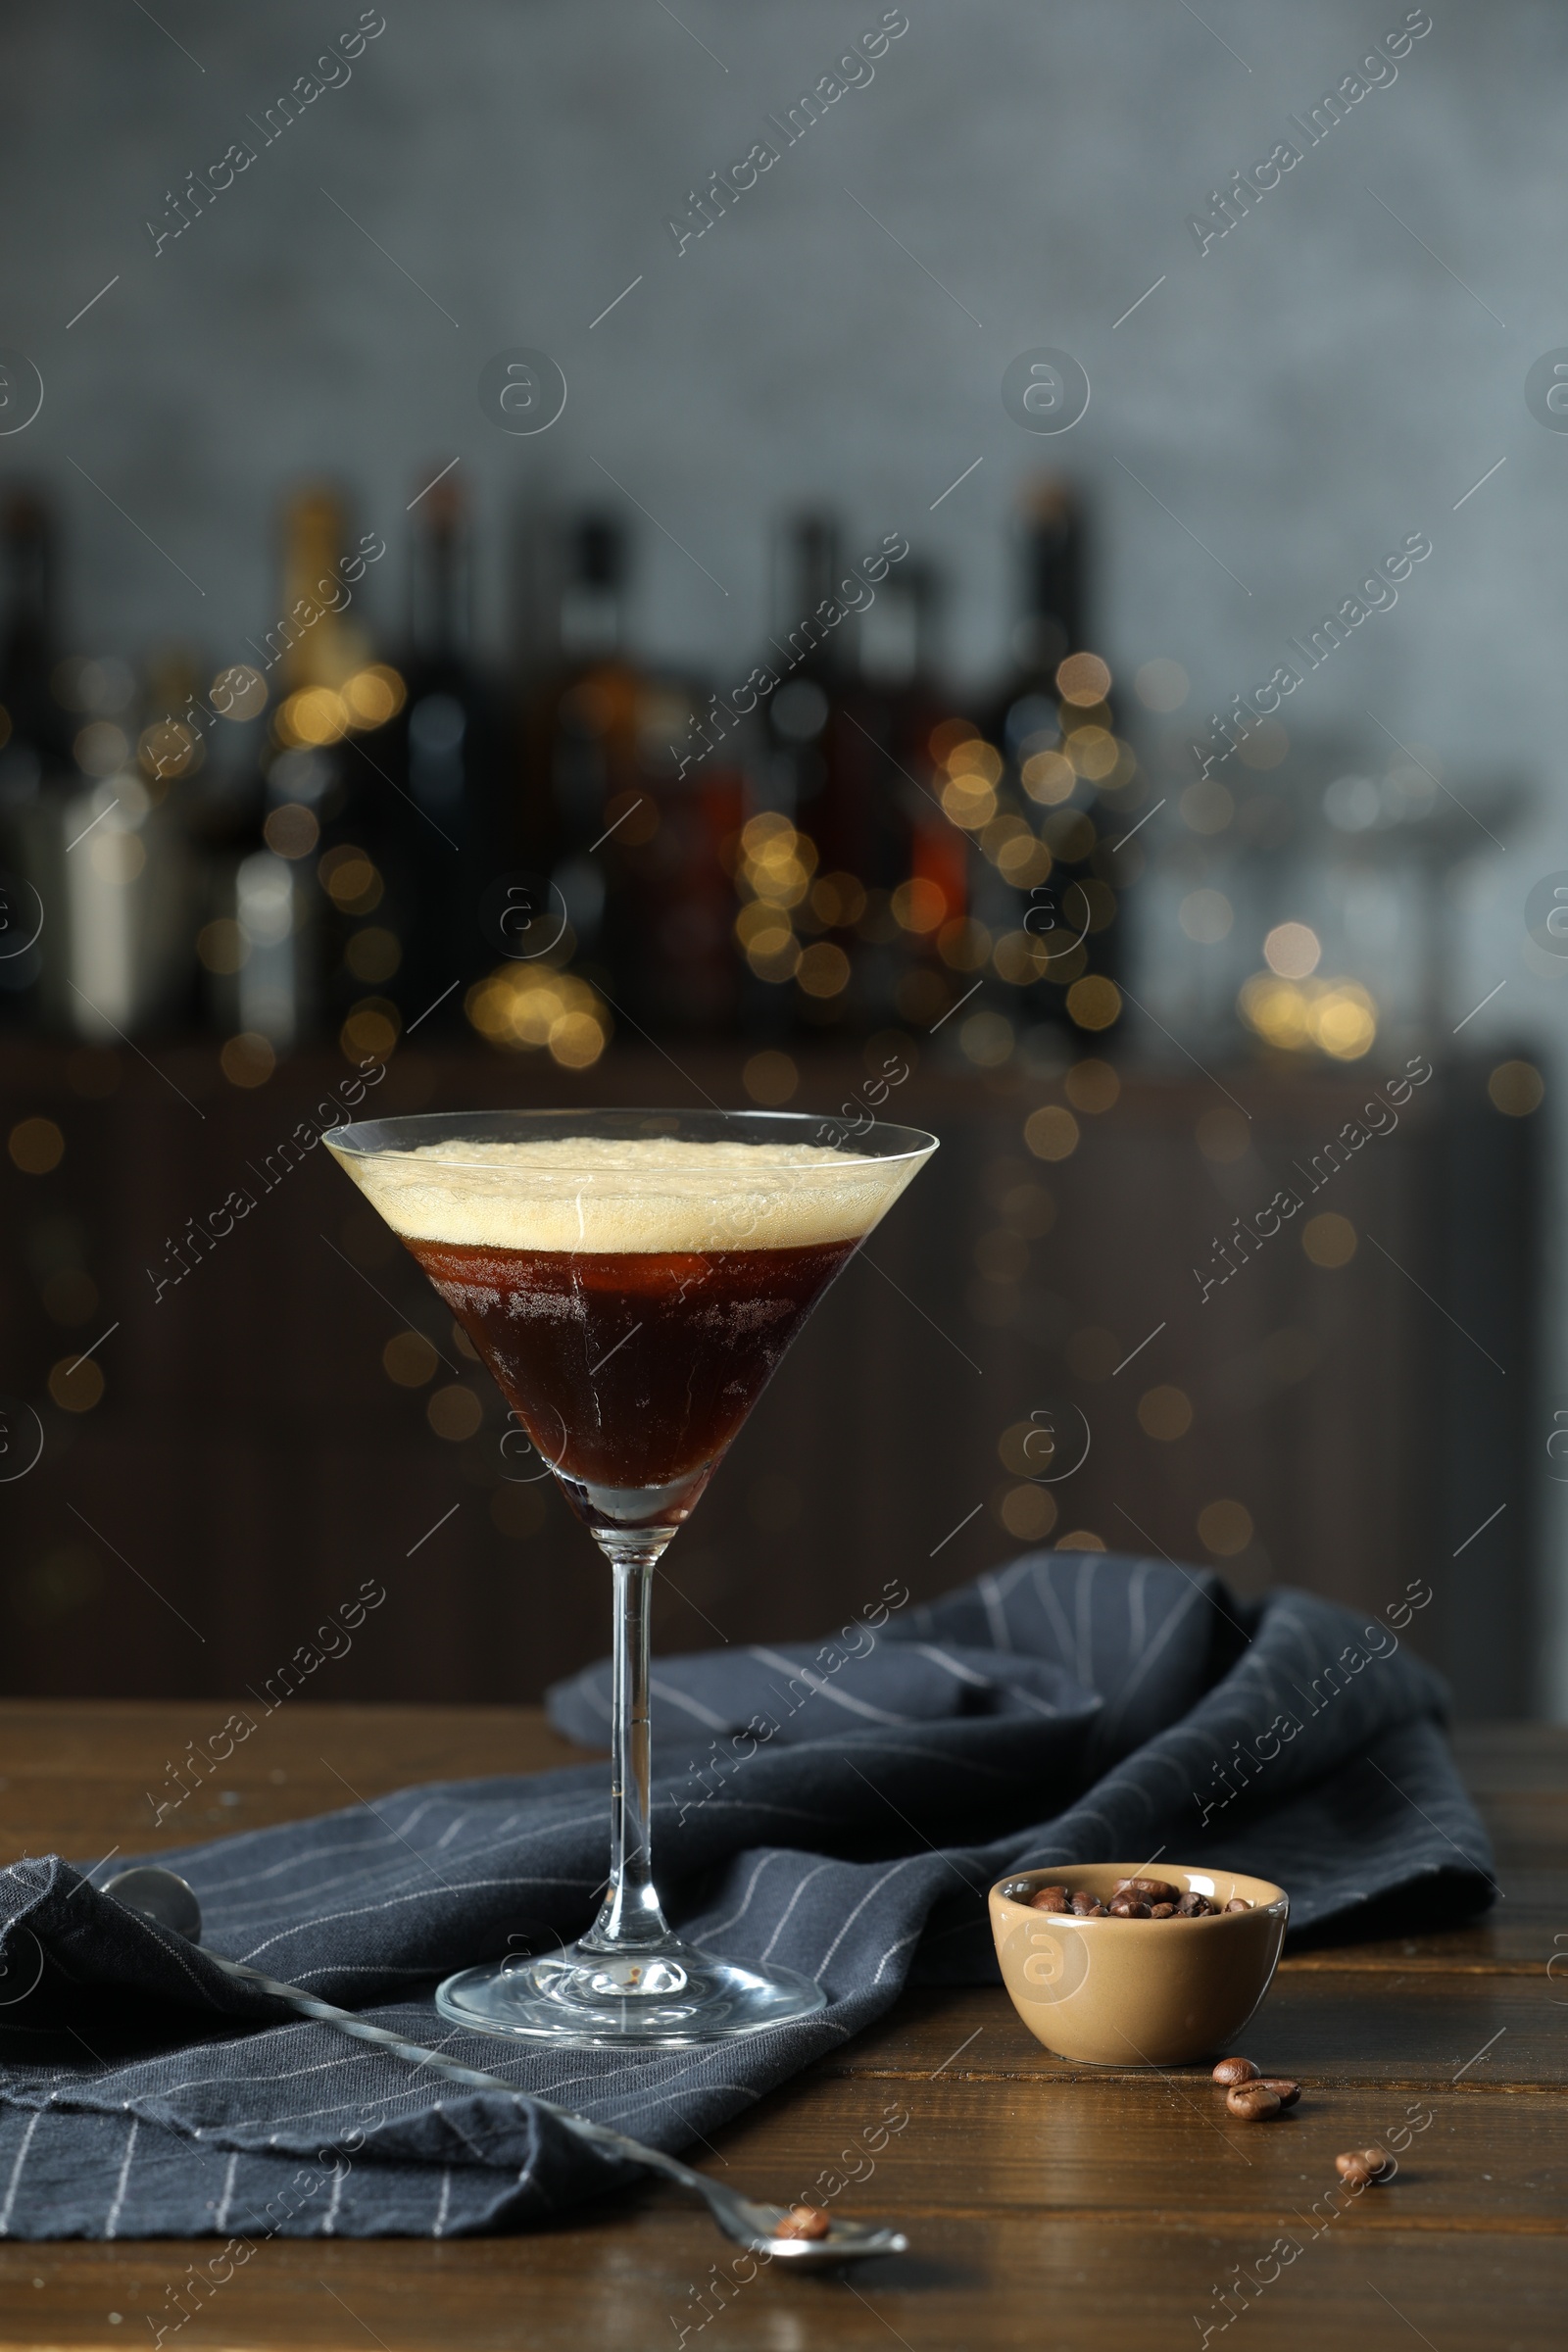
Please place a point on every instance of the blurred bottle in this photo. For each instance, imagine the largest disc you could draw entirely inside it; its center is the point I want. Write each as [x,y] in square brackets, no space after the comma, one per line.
[802,770]
[677,852]
[94,847]
[446,824]
[296,887]
[814,829]
[1038,795]
[33,734]
[912,920]
[589,792]
[110,852]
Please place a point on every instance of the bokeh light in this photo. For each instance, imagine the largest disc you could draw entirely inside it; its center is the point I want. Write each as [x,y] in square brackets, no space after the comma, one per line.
[1329,1240]
[1293,950]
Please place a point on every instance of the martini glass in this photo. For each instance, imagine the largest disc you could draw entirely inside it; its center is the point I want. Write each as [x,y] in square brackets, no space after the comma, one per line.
[631,1278]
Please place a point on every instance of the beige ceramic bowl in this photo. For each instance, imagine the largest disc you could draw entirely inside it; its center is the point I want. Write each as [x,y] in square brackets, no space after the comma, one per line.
[1137,1992]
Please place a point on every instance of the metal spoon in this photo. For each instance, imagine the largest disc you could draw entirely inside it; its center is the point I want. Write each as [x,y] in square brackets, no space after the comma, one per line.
[165,1899]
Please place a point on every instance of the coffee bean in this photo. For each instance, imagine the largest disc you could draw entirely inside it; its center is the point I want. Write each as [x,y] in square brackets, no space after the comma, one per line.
[1378,2161]
[1286,2092]
[1231,2071]
[1133,1899]
[1354,2170]
[1252,2102]
[804,2221]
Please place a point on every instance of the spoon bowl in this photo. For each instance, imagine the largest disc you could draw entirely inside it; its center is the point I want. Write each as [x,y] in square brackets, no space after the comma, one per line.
[161,1895]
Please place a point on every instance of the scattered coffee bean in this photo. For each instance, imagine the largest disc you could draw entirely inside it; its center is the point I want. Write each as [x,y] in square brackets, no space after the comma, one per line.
[1285,2090]
[804,2221]
[1236,1904]
[1231,2071]
[1049,1898]
[1378,2161]
[1252,2102]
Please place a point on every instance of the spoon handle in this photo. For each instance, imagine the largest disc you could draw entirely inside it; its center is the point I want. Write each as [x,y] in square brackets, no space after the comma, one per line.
[599,2135]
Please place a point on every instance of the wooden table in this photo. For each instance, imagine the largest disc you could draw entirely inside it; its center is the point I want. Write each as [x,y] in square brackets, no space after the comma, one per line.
[1045,2204]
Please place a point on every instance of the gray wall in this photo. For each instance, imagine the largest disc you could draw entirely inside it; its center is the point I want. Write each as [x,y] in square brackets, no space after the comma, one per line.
[1315,387]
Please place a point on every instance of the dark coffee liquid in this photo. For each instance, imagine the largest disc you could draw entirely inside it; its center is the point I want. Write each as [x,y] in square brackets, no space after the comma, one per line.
[631,1370]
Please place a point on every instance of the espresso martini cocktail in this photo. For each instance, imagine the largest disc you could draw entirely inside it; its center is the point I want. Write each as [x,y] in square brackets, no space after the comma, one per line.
[631,1281]
[630,1296]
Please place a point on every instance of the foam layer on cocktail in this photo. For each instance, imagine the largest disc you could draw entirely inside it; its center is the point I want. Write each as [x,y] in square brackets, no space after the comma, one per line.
[645,1196]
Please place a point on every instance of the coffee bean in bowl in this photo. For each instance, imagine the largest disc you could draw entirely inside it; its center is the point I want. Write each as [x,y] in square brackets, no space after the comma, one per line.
[1113,1963]
[1132,1899]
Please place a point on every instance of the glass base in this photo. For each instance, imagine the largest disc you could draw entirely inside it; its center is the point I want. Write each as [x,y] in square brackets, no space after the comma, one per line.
[667,1995]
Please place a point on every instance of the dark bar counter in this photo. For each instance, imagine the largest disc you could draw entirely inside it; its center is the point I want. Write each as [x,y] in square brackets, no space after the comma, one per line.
[254,1438]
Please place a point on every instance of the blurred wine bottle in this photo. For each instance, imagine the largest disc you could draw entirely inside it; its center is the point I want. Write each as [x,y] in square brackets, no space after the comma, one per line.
[112,856]
[1047,791]
[677,865]
[297,889]
[636,809]
[444,824]
[587,793]
[35,737]
[99,849]
[911,929]
[34,734]
[814,829]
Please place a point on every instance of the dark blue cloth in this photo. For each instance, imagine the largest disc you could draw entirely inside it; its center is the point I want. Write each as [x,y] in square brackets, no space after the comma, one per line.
[839,1809]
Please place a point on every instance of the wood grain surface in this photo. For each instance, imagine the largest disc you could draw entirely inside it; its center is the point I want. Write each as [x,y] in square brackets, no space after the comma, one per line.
[1045,2204]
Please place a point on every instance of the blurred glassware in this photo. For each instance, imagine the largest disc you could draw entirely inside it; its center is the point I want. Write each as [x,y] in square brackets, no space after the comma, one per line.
[1303,897]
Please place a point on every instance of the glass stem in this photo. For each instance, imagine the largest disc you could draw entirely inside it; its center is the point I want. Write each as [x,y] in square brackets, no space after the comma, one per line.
[631,1917]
